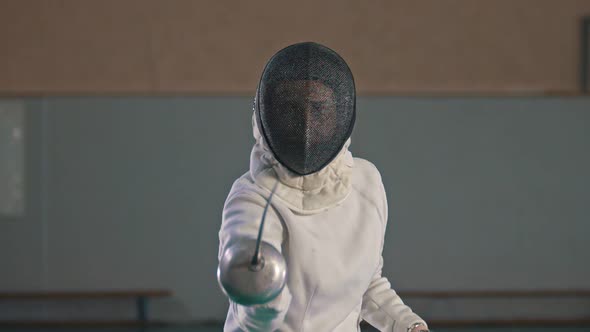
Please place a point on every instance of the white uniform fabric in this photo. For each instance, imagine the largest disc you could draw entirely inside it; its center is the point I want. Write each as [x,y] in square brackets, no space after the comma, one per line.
[330,227]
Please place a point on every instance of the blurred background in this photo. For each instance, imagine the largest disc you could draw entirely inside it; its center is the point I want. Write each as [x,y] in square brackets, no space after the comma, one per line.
[124,123]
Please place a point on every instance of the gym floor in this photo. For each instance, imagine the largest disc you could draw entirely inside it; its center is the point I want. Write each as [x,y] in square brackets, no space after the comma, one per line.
[219,328]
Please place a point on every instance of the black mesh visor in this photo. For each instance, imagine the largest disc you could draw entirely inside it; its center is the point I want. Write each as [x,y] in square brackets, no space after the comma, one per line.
[305,106]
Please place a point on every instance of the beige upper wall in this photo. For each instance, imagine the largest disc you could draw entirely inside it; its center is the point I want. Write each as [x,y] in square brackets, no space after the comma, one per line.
[220,47]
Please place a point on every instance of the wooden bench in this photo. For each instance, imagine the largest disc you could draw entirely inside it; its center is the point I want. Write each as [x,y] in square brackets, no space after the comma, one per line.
[504,294]
[141,303]
[483,294]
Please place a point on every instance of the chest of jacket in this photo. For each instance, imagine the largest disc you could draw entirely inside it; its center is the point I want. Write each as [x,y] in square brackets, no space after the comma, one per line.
[332,256]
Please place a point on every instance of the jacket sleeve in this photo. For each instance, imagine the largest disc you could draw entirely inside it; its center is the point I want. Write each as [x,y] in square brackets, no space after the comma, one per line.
[241,220]
[382,307]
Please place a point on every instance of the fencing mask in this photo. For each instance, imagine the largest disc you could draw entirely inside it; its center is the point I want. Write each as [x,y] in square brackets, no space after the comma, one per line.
[305,106]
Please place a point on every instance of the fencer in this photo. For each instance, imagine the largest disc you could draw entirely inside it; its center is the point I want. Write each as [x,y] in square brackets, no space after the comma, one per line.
[318,259]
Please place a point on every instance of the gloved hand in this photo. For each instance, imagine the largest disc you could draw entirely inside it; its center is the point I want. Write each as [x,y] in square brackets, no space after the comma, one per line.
[418,328]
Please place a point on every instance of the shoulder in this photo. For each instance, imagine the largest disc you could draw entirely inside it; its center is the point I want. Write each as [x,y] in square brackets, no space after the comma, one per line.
[366,177]
[245,204]
[244,189]
[366,180]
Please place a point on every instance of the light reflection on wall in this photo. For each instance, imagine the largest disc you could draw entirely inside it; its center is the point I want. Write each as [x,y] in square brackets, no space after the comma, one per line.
[12,163]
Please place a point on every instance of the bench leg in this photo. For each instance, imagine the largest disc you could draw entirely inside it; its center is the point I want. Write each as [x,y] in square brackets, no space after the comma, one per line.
[142,303]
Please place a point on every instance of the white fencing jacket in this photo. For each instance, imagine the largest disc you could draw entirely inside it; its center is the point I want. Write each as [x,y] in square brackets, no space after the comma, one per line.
[330,228]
